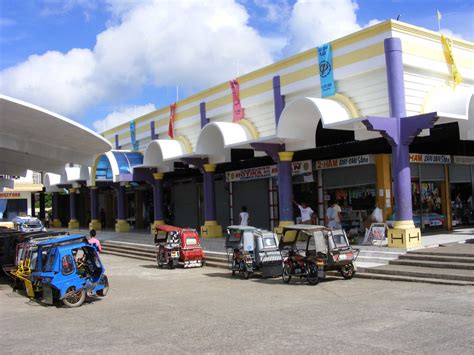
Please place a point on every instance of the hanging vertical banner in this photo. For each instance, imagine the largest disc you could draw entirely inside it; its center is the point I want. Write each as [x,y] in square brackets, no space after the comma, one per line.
[133,138]
[171,124]
[238,111]
[328,86]
[448,56]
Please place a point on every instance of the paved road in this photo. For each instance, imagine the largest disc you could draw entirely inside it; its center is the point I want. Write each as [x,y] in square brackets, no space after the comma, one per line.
[207,311]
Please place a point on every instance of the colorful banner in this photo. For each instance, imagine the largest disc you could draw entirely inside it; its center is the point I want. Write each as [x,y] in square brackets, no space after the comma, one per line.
[133,138]
[448,56]
[238,111]
[344,162]
[262,172]
[465,160]
[10,195]
[429,158]
[328,86]
[171,124]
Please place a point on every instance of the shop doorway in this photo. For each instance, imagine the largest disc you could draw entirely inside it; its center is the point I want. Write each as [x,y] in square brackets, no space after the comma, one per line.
[462,204]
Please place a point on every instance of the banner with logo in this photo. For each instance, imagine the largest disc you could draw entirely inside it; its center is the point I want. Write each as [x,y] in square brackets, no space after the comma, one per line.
[344,162]
[465,160]
[171,124]
[133,138]
[328,86]
[429,158]
[448,56]
[237,111]
[262,172]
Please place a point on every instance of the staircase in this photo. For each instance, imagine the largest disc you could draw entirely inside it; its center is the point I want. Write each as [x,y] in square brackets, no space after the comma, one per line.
[452,264]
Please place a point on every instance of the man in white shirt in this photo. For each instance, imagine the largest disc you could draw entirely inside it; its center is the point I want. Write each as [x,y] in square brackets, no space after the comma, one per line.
[333,216]
[305,211]
[244,217]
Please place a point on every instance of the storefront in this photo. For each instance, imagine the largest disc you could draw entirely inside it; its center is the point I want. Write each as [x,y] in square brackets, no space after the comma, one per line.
[256,188]
[429,193]
[14,204]
[351,182]
[461,178]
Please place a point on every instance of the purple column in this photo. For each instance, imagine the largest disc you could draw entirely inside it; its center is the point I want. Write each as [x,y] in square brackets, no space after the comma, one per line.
[158,197]
[94,213]
[72,204]
[121,202]
[209,192]
[278,98]
[42,205]
[117,146]
[285,187]
[202,111]
[152,130]
[55,201]
[33,203]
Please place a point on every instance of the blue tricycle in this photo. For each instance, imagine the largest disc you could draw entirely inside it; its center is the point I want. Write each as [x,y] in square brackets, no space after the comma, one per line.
[68,269]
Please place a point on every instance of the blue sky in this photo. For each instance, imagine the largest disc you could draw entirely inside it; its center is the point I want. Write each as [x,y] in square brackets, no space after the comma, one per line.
[101,62]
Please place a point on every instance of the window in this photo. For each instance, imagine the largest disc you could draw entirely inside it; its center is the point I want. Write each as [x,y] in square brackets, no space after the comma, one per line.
[191,241]
[68,266]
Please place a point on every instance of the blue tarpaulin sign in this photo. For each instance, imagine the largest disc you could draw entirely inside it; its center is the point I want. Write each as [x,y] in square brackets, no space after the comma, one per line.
[135,145]
[328,86]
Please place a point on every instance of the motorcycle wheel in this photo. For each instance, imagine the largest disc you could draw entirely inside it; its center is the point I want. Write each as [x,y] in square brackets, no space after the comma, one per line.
[286,277]
[103,292]
[347,271]
[171,264]
[74,298]
[246,273]
[312,277]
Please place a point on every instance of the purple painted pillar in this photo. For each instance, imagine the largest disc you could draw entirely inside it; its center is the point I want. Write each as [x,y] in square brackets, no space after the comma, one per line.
[278,98]
[285,188]
[33,203]
[209,192]
[121,202]
[94,205]
[152,130]
[202,111]
[72,204]
[158,198]
[55,202]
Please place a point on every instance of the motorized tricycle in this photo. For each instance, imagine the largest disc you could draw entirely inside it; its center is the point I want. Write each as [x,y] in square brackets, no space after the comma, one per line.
[64,268]
[251,250]
[310,251]
[178,246]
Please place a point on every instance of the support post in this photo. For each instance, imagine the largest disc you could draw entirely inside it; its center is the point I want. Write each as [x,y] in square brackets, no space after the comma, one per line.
[95,223]
[73,222]
[55,200]
[42,213]
[285,189]
[383,184]
[33,203]
[122,225]
[158,218]
[210,229]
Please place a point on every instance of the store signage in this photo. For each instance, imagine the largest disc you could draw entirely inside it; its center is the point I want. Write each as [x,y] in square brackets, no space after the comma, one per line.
[463,160]
[326,77]
[430,158]
[344,162]
[10,195]
[262,172]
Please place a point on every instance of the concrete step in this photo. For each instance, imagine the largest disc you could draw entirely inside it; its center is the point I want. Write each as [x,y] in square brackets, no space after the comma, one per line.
[439,252]
[424,256]
[128,246]
[433,264]
[367,275]
[131,252]
[128,255]
[381,261]
[379,254]
[422,272]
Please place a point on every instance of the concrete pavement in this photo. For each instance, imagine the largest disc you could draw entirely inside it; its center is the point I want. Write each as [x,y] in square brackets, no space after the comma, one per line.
[205,310]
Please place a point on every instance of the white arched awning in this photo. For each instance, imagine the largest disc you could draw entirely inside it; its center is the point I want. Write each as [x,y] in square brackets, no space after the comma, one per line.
[78,173]
[216,137]
[115,166]
[453,105]
[161,153]
[300,118]
[52,180]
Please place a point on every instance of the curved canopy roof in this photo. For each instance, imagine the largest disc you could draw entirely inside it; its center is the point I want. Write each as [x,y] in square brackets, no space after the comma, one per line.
[162,152]
[115,166]
[34,138]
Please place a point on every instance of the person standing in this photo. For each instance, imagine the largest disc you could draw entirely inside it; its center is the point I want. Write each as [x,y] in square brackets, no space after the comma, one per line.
[244,217]
[91,239]
[306,212]
[334,216]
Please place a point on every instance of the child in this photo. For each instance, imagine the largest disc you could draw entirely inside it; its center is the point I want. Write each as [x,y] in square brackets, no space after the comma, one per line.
[244,217]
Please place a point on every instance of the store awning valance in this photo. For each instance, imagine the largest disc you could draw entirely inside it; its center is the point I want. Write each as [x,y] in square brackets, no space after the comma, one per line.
[216,138]
[453,105]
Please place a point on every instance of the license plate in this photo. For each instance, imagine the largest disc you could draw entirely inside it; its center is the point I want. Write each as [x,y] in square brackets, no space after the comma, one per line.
[342,257]
[174,254]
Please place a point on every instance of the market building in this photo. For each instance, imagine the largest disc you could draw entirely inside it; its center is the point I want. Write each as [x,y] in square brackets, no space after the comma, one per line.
[375,117]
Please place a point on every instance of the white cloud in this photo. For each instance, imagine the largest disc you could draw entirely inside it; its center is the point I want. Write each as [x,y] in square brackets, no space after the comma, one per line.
[124,114]
[276,10]
[188,43]
[314,22]
[450,33]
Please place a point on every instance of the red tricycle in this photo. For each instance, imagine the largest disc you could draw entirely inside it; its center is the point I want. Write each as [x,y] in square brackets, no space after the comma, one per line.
[178,246]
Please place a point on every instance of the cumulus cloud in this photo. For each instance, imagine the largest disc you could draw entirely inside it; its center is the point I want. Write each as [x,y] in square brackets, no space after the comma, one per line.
[276,10]
[314,22]
[124,114]
[158,42]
